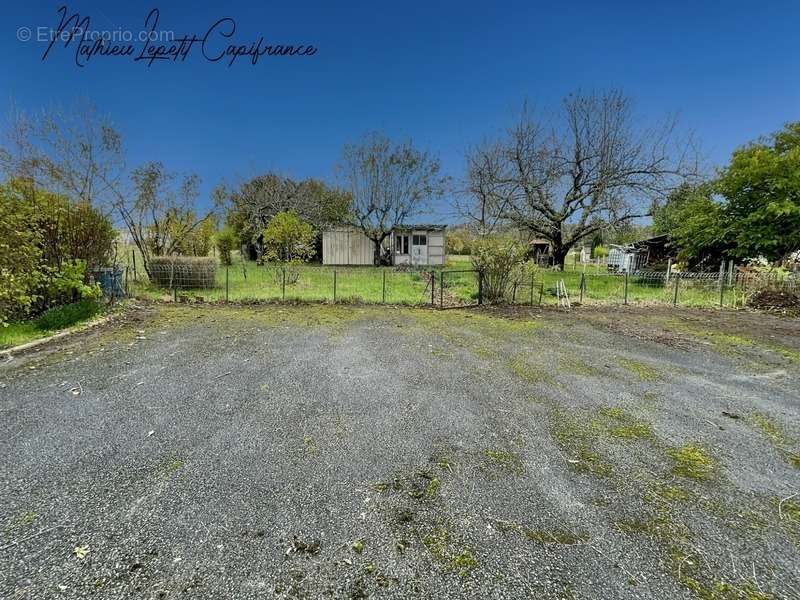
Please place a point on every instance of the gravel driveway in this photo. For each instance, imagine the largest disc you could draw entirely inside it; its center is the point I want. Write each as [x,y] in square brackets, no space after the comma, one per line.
[346,452]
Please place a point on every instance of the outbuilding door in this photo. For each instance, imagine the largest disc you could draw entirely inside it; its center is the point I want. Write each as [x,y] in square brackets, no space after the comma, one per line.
[419,249]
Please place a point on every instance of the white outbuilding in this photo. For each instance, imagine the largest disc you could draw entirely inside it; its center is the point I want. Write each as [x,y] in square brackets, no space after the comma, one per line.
[416,245]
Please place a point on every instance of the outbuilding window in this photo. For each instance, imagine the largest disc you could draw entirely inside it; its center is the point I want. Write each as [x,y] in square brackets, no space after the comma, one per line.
[420,240]
[401,244]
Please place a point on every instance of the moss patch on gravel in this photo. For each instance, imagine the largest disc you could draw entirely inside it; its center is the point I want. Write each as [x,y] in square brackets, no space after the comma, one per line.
[640,369]
[692,461]
[522,367]
[503,459]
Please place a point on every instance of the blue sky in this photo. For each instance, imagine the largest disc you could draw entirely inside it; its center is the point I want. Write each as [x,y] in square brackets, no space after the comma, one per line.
[441,73]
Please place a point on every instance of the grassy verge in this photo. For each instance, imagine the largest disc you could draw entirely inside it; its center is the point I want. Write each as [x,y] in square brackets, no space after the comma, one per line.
[48,323]
[245,280]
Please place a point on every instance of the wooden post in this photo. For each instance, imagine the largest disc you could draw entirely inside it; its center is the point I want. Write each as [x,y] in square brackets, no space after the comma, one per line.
[441,289]
[675,297]
[480,287]
[226,283]
[514,293]
[541,293]
[384,286]
[582,285]
[433,287]
[283,282]
[669,270]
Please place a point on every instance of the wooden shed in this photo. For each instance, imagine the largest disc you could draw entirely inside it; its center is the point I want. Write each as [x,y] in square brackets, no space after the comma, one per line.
[346,246]
[421,245]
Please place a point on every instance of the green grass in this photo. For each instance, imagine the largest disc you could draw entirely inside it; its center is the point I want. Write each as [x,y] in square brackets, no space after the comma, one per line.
[604,288]
[249,281]
[48,322]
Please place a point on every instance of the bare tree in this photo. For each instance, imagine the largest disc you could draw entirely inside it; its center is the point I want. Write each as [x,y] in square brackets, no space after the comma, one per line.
[76,154]
[591,169]
[79,154]
[484,199]
[389,183]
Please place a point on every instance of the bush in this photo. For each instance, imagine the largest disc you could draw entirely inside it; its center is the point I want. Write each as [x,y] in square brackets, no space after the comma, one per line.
[67,285]
[458,241]
[65,316]
[20,257]
[599,252]
[182,271]
[287,238]
[226,242]
[500,262]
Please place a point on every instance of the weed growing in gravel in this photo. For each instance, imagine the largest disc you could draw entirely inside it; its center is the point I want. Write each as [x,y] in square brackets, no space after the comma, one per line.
[442,548]
[575,438]
[642,370]
[665,492]
[777,437]
[509,461]
[790,509]
[26,518]
[692,461]
[544,536]
[770,429]
[577,366]
[170,466]
[624,426]
[310,446]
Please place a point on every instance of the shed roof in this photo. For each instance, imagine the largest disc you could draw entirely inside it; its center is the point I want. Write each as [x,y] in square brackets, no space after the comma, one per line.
[428,226]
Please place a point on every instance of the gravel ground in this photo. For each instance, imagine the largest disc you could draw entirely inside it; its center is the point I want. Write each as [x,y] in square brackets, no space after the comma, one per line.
[353,452]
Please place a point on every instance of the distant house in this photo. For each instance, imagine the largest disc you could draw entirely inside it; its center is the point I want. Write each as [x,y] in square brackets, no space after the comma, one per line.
[416,245]
[647,253]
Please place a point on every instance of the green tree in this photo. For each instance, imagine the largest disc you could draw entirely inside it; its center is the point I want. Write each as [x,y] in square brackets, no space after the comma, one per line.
[761,187]
[695,221]
[225,240]
[287,238]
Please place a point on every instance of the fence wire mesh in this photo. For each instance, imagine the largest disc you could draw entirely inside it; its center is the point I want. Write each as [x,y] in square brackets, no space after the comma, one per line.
[245,281]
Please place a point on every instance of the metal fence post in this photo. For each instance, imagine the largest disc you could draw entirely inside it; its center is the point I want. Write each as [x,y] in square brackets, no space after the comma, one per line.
[384,286]
[514,293]
[582,285]
[531,289]
[541,293]
[334,286]
[677,281]
[174,292]
[283,283]
[226,283]
[625,301]
[433,287]
[441,289]
[480,287]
